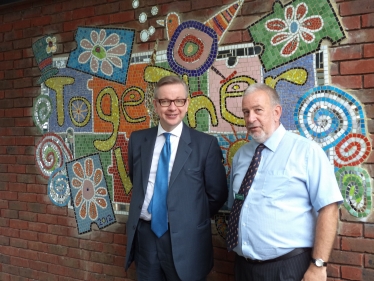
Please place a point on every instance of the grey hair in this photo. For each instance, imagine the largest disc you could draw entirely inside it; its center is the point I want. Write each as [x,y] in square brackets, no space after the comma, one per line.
[274,96]
[170,80]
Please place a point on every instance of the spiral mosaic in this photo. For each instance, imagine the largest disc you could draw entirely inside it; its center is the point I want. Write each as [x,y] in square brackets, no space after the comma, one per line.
[51,153]
[42,111]
[352,150]
[355,186]
[58,187]
[327,114]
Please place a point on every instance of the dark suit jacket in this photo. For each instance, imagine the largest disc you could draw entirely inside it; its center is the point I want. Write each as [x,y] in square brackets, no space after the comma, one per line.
[197,190]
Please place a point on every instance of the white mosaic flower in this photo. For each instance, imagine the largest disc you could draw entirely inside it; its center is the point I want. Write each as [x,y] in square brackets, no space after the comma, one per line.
[98,53]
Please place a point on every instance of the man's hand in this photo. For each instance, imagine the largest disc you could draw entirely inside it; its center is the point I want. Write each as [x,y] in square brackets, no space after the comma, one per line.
[315,273]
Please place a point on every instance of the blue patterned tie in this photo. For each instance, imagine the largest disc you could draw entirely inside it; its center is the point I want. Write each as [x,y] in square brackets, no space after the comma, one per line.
[157,207]
[233,224]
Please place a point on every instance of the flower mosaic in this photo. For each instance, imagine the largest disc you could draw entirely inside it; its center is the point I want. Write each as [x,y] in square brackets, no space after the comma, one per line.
[89,193]
[295,30]
[295,26]
[103,53]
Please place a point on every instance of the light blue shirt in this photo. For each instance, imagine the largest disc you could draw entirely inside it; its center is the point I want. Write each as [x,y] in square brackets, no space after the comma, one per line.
[294,180]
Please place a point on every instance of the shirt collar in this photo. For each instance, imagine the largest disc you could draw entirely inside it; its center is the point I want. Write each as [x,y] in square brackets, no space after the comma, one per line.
[177,131]
[274,140]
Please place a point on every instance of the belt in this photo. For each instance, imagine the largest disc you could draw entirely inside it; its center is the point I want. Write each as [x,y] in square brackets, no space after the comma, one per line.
[291,254]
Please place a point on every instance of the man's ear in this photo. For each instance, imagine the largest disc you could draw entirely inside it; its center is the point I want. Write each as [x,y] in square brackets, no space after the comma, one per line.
[277,112]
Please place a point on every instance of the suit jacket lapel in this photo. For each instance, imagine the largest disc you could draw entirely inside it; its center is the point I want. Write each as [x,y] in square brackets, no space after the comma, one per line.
[146,152]
[183,153]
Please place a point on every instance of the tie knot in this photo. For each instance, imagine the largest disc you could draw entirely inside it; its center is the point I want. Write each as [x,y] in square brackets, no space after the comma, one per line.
[167,137]
[260,148]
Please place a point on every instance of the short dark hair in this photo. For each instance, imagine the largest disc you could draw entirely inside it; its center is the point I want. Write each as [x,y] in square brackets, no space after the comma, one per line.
[170,80]
[274,96]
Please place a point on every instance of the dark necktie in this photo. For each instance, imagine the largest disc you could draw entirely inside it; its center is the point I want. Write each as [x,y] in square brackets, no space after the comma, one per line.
[233,224]
[157,207]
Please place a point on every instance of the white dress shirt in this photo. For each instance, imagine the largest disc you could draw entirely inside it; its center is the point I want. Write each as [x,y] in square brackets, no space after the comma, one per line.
[160,141]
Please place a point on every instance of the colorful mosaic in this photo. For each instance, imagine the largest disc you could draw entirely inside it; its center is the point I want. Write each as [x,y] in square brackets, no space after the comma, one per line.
[43,50]
[295,30]
[92,100]
[89,193]
[58,187]
[356,189]
[42,111]
[327,114]
[51,153]
[103,53]
[192,48]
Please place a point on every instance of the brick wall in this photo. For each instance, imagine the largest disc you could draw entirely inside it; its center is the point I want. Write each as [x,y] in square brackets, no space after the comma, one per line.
[38,240]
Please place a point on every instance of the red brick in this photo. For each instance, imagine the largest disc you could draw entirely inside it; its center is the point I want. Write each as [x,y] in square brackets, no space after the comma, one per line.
[48,238]
[357,67]
[98,20]
[28,254]
[83,13]
[17,205]
[91,266]
[351,23]
[349,258]
[358,245]
[346,53]
[233,37]
[356,7]
[333,270]
[350,229]
[9,232]
[19,262]
[109,8]
[369,81]
[49,258]
[41,20]
[367,274]
[360,36]
[368,20]
[351,273]
[122,17]
[73,25]
[28,216]
[5,27]
[20,187]
[369,261]
[369,230]
[18,243]
[21,24]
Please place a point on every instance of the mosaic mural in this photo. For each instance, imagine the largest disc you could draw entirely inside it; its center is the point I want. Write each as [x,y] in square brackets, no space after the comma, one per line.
[93,99]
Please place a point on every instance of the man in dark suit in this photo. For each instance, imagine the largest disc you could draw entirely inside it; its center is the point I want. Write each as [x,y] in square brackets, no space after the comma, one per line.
[169,232]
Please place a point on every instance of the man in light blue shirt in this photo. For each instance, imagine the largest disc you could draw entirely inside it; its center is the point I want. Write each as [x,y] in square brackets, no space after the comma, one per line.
[292,204]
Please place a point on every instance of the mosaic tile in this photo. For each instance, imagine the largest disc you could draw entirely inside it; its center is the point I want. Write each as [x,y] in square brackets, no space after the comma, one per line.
[294,30]
[103,52]
[43,49]
[89,193]
[58,188]
[192,48]
[42,110]
[327,114]
[354,183]
[51,153]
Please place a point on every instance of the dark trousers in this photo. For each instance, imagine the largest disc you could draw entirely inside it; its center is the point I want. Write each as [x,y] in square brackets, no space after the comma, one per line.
[292,269]
[153,255]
